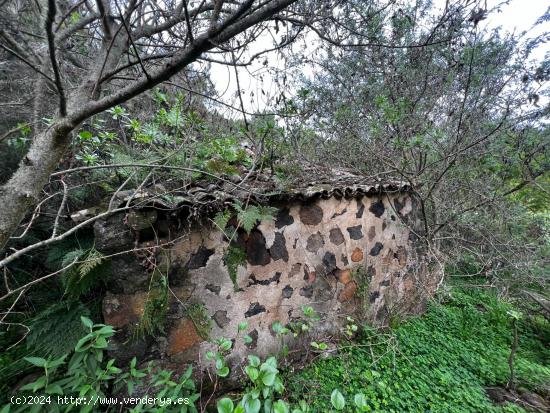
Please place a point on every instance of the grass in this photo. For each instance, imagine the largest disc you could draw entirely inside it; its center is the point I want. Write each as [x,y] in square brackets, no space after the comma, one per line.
[439,362]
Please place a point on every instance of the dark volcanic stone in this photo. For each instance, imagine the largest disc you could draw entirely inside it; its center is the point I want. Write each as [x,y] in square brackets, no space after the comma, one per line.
[385,283]
[307,291]
[283,218]
[287,291]
[311,214]
[360,209]
[373,296]
[254,336]
[377,208]
[278,249]
[371,272]
[336,236]
[295,270]
[254,309]
[355,232]
[274,279]
[123,348]
[213,288]
[314,242]
[111,235]
[376,249]
[372,233]
[345,260]
[329,261]
[256,252]
[200,258]
[220,317]
[127,275]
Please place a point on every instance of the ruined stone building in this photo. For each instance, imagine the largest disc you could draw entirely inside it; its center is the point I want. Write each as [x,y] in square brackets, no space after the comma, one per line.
[344,246]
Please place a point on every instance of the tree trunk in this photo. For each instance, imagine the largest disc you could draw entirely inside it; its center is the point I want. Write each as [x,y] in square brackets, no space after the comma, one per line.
[23,189]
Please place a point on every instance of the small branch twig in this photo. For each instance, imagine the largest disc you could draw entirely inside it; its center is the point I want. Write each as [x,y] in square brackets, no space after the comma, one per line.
[50,18]
[61,208]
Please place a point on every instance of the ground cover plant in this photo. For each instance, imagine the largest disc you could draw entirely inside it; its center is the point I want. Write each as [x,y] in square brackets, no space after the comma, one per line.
[443,361]
[440,362]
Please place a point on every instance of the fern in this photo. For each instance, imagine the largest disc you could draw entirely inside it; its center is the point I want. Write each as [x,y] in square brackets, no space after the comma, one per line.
[156,306]
[233,258]
[267,213]
[221,219]
[71,256]
[53,332]
[56,330]
[91,270]
[93,259]
[249,216]
[58,251]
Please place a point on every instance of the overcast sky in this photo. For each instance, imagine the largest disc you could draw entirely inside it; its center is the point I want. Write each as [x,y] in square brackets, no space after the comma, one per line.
[259,90]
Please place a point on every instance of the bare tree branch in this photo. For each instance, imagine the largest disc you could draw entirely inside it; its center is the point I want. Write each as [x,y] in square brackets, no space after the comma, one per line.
[50,19]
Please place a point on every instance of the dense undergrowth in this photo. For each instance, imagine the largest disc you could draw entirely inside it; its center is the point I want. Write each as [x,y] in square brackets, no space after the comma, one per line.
[442,361]
[439,362]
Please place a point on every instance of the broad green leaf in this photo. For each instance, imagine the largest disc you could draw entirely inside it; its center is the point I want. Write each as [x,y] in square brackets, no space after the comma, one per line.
[268,406]
[268,377]
[54,389]
[252,372]
[87,322]
[36,361]
[337,400]
[360,400]
[223,372]
[271,361]
[280,407]
[252,406]
[276,327]
[254,360]
[226,345]
[225,405]
[85,135]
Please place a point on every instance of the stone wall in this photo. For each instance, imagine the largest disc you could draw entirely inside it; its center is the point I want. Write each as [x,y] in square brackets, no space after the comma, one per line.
[360,257]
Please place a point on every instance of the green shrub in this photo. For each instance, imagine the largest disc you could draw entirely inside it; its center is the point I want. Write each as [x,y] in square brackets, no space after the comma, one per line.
[86,381]
[439,362]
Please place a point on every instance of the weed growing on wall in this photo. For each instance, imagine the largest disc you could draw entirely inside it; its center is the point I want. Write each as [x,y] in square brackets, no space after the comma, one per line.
[363,278]
[200,318]
[247,217]
[233,258]
[154,314]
